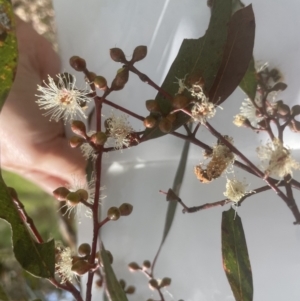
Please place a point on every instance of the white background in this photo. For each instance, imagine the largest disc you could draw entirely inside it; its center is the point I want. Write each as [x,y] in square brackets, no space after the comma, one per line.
[192,253]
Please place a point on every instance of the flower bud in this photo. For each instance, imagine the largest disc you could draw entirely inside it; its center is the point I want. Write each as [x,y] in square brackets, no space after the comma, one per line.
[294,126]
[81,267]
[73,198]
[122,283]
[165,125]
[77,63]
[84,195]
[152,105]
[75,259]
[84,249]
[130,290]
[153,284]
[149,122]
[180,101]
[121,79]
[295,110]
[100,82]
[61,193]
[279,87]
[125,209]
[133,266]
[117,55]
[146,264]
[99,138]
[78,128]
[113,213]
[171,117]
[283,109]
[139,53]
[165,282]
[76,141]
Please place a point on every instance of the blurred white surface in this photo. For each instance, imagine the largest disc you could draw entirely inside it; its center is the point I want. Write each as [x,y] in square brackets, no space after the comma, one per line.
[191,255]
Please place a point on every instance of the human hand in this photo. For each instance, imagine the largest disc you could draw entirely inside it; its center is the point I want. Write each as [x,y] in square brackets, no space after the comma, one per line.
[31,145]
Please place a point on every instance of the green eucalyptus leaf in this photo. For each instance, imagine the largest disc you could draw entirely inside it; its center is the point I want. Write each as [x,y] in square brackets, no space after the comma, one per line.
[236,261]
[8,49]
[249,81]
[37,259]
[197,58]
[237,55]
[113,287]
[3,295]
[172,196]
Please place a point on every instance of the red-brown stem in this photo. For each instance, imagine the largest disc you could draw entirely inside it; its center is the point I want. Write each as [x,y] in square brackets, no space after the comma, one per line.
[106,220]
[259,173]
[292,203]
[109,103]
[95,208]
[144,78]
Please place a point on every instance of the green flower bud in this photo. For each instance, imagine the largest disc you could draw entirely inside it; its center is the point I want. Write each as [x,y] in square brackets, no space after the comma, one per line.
[84,249]
[76,141]
[117,55]
[180,101]
[99,138]
[165,125]
[139,53]
[100,82]
[165,282]
[77,63]
[78,127]
[130,290]
[73,198]
[125,209]
[153,284]
[146,264]
[61,193]
[113,213]
[149,122]
[133,266]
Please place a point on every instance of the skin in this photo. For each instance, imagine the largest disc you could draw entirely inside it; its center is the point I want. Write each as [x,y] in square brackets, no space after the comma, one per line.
[32,146]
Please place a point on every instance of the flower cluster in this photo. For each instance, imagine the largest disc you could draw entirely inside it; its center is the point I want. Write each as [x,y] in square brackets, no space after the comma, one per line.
[64,265]
[276,159]
[235,190]
[119,129]
[62,99]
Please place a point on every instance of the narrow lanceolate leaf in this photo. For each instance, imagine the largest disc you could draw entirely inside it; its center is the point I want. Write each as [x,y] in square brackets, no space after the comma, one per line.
[197,58]
[37,259]
[113,287]
[173,195]
[237,55]
[236,261]
[3,296]
[8,49]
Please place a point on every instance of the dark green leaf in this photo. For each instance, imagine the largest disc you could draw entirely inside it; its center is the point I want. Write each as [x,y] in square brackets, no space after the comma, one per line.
[237,55]
[196,58]
[3,296]
[113,287]
[236,261]
[8,49]
[249,81]
[37,259]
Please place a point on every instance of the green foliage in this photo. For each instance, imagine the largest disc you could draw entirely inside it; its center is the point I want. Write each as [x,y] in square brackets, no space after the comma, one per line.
[35,258]
[249,81]
[236,261]
[8,49]
[113,287]
[3,296]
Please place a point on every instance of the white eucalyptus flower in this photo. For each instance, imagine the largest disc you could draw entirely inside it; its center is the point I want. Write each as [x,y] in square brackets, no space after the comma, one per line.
[235,190]
[64,265]
[276,159]
[62,99]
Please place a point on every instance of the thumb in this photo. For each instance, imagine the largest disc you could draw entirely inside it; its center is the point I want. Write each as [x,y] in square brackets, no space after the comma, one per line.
[58,165]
